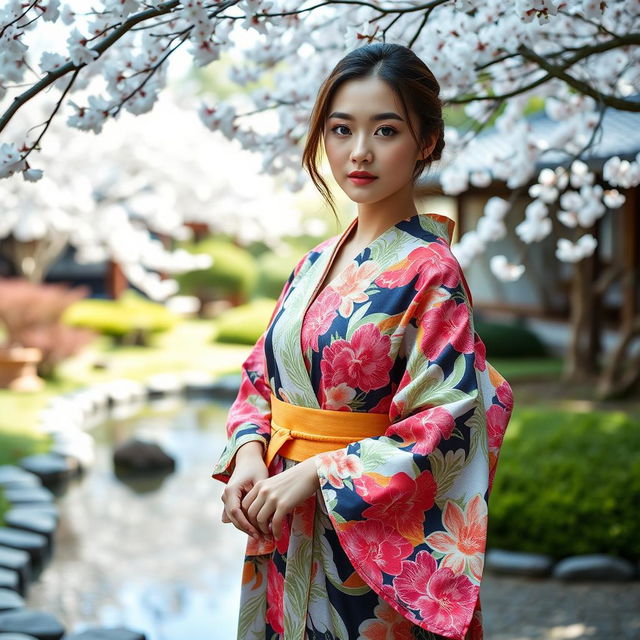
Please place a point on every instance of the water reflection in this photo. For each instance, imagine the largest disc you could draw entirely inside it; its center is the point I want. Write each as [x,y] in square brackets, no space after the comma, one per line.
[155,560]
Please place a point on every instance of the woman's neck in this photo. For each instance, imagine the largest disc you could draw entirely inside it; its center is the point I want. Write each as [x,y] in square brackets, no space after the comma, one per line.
[376,218]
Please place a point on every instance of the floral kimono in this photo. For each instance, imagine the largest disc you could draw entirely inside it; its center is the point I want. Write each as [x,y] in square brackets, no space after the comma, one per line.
[391,546]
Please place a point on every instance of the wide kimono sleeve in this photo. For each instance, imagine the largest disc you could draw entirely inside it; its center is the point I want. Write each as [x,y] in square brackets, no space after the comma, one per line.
[410,506]
[249,416]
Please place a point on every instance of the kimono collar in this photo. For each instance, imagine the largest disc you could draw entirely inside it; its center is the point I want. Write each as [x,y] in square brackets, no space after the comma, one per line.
[438,224]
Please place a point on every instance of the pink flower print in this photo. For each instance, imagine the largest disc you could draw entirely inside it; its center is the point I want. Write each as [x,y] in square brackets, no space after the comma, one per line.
[444,599]
[497,420]
[352,283]
[337,465]
[319,318]
[464,540]
[402,504]
[425,429]
[338,398]
[275,598]
[431,263]
[481,353]
[375,547]
[446,324]
[388,624]
[505,395]
[363,362]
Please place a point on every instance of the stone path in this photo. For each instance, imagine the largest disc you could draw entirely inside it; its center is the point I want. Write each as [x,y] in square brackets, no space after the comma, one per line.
[544,609]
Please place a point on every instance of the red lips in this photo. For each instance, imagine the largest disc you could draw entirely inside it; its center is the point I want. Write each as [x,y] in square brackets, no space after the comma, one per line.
[361,174]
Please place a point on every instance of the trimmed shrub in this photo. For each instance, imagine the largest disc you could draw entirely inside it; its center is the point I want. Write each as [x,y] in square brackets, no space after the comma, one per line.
[131,318]
[568,483]
[233,273]
[273,273]
[244,324]
[509,340]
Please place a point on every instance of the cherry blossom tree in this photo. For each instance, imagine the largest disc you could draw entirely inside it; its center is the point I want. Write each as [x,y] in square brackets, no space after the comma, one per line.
[491,58]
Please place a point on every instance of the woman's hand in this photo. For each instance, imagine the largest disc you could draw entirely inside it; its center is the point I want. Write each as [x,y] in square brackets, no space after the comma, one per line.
[270,500]
[249,470]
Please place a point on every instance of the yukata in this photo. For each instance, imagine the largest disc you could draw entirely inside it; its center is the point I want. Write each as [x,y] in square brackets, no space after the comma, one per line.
[391,546]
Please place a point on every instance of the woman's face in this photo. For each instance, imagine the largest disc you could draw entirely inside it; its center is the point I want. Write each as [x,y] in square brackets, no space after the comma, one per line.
[366,131]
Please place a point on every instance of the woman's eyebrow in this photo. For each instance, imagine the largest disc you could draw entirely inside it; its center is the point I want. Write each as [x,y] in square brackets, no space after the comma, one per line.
[389,115]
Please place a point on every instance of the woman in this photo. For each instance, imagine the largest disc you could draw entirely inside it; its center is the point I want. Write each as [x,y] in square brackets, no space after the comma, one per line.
[365,435]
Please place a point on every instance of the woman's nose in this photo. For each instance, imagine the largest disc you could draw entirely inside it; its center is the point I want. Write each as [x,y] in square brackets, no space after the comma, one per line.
[361,151]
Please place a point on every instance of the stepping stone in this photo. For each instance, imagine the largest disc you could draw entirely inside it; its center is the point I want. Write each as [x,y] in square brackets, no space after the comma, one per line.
[518,563]
[52,468]
[19,561]
[10,473]
[33,494]
[198,383]
[31,520]
[38,624]
[135,455]
[98,633]
[10,600]
[9,579]
[44,508]
[15,636]
[596,566]
[227,386]
[35,544]
[162,384]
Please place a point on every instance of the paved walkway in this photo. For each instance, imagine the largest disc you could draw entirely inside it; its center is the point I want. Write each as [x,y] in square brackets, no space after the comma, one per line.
[547,609]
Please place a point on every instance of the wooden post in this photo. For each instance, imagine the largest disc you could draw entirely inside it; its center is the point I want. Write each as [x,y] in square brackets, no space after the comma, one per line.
[116,282]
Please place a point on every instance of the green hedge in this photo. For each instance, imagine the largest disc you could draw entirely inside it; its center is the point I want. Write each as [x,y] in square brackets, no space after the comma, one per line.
[273,273]
[509,340]
[245,323]
[568,483]
[233,271]
[119,318]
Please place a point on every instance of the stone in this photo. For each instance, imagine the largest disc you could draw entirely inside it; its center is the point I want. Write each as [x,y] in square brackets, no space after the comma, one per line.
[15,636]
[31,494]
[227,386]
[35,544]
[10,600]
[162,384]
[10,473]
[53,469]
[518,563]
[38,624]
[31,520]
[136,455]
[19,561]
[9,579]
[596,566]
[102,633]
[75,443]
[198,383]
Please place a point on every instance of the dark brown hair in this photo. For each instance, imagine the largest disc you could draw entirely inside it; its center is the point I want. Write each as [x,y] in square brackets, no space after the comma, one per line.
[410,78]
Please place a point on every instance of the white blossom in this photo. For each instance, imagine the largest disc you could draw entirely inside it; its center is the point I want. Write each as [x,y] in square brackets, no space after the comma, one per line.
[505,270]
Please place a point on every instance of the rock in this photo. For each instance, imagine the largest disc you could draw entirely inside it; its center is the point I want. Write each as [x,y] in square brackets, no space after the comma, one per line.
[198,383]
[31,520]
[9,579]
[123,391]
[35,544]
[10,474]
[10,600]
[162,384]
[227,386]
[15,636]
[596,566]
[137,455]
[19,561]
[101,633]
[38,624]
[53,469]
[75,443]
[518,563]
[30,495]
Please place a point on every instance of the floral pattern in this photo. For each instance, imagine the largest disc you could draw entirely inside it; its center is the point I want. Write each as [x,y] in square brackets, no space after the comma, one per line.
[392,543]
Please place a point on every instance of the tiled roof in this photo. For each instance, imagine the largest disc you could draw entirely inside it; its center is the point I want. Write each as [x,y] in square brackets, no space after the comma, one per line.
[619,135]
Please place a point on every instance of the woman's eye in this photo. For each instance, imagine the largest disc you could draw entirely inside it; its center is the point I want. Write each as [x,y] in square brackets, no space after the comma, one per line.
[341,126]
[387,131]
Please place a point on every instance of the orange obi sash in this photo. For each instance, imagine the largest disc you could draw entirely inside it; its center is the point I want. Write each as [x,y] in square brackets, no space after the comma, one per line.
[298,432]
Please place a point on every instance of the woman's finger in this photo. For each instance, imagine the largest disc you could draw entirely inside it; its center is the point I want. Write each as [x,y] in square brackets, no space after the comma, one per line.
[236,516]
